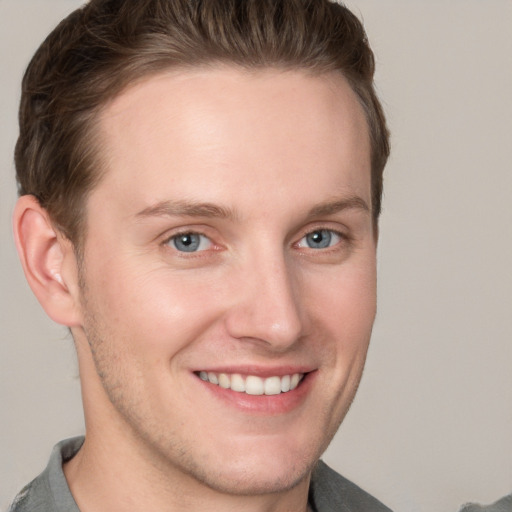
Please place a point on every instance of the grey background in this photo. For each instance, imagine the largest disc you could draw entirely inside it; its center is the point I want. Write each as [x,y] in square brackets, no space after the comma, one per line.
[431,427]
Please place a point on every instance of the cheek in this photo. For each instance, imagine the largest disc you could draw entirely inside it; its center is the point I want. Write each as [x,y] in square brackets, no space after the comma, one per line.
[347,301]
[358,304]
[150,310]
[344,313]
[358,308]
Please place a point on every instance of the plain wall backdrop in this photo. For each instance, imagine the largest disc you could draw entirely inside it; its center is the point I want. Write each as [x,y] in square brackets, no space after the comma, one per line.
[431,427]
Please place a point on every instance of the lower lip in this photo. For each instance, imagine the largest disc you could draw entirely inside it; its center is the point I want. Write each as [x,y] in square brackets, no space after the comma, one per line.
[263,404]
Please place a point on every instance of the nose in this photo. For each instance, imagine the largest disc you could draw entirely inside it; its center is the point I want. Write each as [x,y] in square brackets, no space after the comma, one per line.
[266,304]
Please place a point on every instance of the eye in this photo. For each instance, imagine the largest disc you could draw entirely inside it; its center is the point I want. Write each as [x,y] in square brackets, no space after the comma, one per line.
[320,239]
[190,242]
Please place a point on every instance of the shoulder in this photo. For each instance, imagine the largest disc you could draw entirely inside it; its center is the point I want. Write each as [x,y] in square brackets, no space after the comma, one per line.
[49,492]
[503,505]
[331,492]
[33,497]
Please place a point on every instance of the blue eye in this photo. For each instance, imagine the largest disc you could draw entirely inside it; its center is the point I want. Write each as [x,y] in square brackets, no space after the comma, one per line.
[190,242]
[320,239]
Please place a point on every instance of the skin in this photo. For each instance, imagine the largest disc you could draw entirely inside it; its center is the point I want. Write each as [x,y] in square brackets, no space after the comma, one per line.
[275,156]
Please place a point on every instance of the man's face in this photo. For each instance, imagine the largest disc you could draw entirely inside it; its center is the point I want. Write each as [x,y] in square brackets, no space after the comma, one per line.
[229,240]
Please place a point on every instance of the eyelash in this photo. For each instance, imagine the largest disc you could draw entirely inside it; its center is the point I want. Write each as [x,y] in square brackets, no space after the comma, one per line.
[331,233]
[172,239]
[342,237]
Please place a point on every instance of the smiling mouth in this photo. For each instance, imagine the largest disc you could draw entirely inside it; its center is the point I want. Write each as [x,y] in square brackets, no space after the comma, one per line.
[252,384]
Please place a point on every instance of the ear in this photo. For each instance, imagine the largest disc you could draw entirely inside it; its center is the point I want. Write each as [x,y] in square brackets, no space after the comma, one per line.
[48,260]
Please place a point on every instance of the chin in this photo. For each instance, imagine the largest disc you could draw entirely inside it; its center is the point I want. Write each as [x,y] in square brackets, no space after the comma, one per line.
[258,470]
[271,477]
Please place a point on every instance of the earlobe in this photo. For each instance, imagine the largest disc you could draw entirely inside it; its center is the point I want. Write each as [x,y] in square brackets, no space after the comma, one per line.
[48,261]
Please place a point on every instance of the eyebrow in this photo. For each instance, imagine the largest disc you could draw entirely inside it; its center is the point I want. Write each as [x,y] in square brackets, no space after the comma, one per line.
[211,210]
[187,209]
[338,205]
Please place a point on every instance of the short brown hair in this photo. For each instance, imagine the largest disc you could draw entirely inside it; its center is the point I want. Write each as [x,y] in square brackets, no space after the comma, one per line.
[106,45]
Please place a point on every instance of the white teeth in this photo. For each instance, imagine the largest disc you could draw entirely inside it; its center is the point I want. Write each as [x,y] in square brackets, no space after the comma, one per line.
[224,381]
[285,383]
[237,383]
[272,386]
[295,381]
[253,385]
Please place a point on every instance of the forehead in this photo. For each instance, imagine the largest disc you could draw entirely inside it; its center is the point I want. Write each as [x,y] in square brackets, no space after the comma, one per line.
[205,128]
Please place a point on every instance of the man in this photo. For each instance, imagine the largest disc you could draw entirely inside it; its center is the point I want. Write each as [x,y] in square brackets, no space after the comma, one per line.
[200,189]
